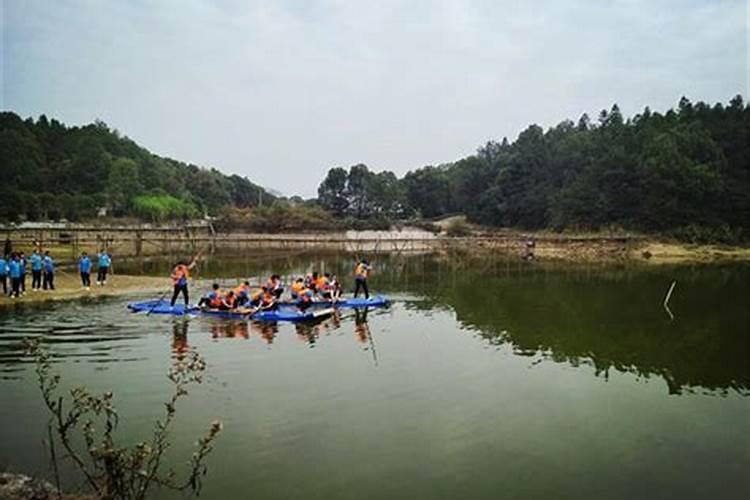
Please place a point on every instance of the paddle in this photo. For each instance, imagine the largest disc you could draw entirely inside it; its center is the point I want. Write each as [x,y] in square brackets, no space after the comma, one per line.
[158,301]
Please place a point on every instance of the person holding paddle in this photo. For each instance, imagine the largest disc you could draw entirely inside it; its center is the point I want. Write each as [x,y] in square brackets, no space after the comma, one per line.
[180,275]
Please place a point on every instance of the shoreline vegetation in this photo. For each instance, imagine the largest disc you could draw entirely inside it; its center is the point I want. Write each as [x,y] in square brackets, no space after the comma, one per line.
[549,248]
[680,174]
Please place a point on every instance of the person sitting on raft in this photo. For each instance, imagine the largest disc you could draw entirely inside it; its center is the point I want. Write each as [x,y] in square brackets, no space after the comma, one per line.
[336,289]
[310,278]
[263,299]
[242,292]
[298,287]
[323,286]
[229,301]
[268,300]
[305,300]
[274,286]
[214,299]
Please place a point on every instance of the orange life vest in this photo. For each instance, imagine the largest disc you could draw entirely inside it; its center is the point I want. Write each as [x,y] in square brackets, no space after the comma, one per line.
[180,272]
[361,271]
[215,297]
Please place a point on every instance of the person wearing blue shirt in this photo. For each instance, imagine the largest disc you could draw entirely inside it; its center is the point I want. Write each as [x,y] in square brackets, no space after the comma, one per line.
[49,272]
[105,261]
[22,260]
[4,274]
[14,271]
[36,270]
[84,267]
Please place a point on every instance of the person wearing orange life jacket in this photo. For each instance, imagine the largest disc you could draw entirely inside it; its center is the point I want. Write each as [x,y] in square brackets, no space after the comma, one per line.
[228,301]
[263,298]
[214,298]
[323,285]
[361,272]
[305,299]
[268,301]
[242,292]
[256,297]
[180,276]
[298,287]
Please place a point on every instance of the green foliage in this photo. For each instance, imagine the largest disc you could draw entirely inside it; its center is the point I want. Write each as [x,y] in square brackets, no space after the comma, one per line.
[687,168]
[51,171]
[362,195]
[163,206]
[458,227]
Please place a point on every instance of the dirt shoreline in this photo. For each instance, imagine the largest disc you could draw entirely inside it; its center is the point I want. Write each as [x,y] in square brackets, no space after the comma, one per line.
[68,287]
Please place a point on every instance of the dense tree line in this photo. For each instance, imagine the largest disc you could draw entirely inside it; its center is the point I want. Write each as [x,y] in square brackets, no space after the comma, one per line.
[685,171]
[51,171]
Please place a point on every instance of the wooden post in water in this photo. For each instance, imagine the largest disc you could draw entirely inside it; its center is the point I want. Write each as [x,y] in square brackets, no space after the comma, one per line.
[666,300]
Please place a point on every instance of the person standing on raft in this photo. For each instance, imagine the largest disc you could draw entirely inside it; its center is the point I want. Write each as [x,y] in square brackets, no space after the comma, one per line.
[361,272]
[180,275]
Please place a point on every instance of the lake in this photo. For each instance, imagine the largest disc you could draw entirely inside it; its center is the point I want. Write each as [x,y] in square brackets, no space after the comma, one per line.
[486,378]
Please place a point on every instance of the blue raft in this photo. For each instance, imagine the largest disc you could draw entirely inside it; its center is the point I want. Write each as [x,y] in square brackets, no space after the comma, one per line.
[284,313]
[352,303]
[163,307]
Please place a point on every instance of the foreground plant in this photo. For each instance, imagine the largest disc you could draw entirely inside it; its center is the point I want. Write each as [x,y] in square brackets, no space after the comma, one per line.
[110,470]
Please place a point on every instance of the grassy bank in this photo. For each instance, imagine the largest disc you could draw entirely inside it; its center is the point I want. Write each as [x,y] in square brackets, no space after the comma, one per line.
[68,286]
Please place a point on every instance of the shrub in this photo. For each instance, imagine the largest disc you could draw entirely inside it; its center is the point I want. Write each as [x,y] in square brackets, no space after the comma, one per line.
[458,227]
[159,207]
[84,425]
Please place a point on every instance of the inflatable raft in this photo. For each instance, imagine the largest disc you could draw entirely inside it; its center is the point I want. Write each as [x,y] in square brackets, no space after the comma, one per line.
[281,314]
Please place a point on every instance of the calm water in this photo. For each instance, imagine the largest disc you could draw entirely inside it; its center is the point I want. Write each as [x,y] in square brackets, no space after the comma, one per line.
[485,379]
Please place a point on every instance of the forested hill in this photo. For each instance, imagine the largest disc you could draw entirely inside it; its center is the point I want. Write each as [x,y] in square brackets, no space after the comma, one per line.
[50,171]
[683,171]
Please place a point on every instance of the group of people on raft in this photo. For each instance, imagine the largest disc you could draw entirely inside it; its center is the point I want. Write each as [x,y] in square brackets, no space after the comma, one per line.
[304,291]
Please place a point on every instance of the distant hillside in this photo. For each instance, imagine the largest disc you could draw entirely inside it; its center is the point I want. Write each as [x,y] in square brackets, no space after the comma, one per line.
[684,172]
[51,171]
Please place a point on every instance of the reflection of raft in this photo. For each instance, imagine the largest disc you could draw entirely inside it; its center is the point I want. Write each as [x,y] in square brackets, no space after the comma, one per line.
[281,314]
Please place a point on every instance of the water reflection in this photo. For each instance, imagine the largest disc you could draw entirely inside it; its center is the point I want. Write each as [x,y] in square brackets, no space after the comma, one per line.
[180,346]
[610,318]
[363,333]
[265,331]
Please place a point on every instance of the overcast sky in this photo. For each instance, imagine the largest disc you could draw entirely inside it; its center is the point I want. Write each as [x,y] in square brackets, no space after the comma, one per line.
[282,91]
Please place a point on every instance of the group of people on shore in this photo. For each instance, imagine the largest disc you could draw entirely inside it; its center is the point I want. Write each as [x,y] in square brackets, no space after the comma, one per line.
[85,265]
[14,268]
[304,291]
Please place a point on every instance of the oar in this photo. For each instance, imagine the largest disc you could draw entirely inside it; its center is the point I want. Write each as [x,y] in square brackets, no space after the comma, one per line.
[157,303]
